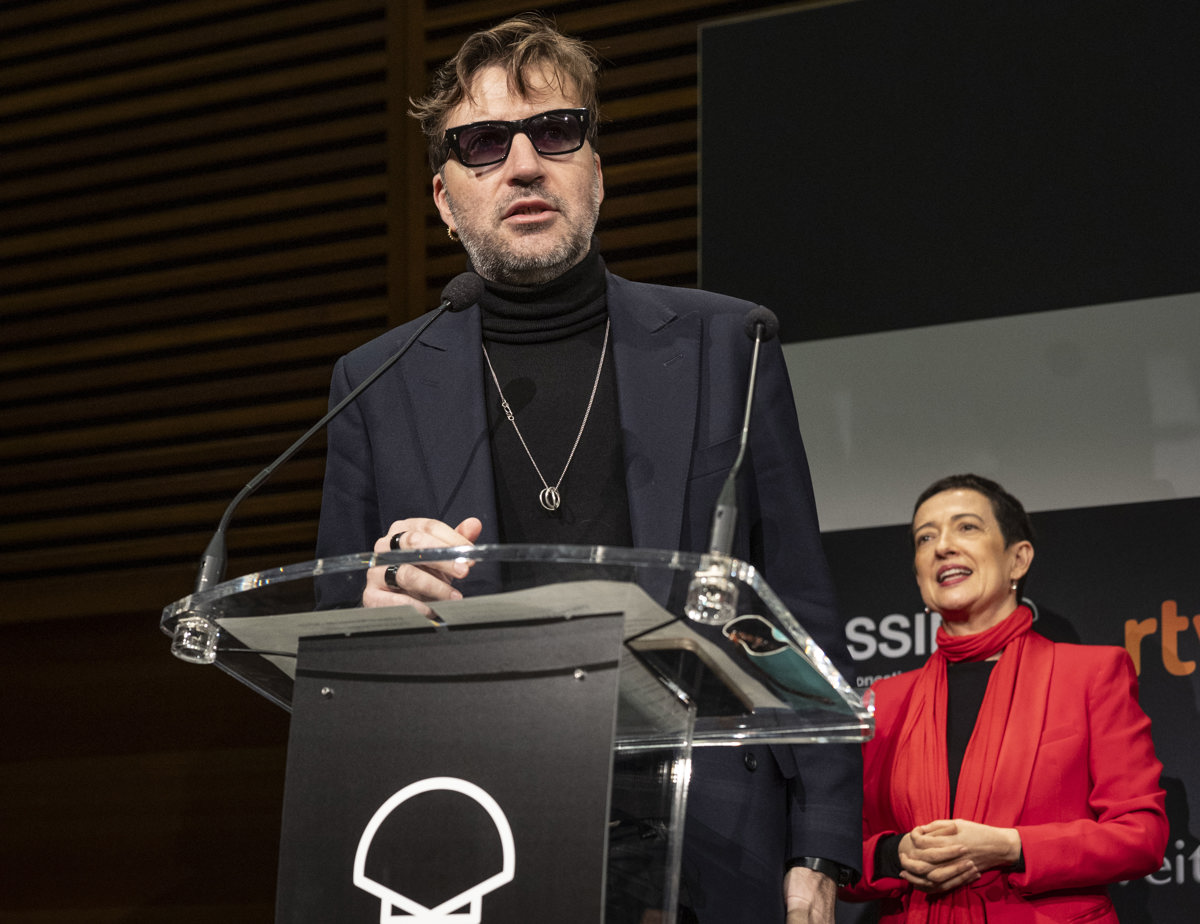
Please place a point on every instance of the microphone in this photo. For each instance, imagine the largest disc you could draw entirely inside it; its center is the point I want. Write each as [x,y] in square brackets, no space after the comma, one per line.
[761,325]
[461,292]
[712,594]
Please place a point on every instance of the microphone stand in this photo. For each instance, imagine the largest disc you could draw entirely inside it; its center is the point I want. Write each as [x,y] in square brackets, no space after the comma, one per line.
[712,594]
[195,637]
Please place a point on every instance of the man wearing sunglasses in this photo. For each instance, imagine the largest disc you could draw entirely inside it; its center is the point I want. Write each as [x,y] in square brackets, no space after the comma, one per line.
[571,406]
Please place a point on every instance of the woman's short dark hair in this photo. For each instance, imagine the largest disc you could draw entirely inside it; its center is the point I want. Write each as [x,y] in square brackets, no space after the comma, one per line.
[518,44]
[1015,525]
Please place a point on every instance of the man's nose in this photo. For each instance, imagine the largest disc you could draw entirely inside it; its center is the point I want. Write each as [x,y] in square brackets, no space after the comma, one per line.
[523,159]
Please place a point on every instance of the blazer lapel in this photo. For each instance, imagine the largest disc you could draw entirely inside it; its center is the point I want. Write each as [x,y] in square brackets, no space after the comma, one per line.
[657,356]
[445,384]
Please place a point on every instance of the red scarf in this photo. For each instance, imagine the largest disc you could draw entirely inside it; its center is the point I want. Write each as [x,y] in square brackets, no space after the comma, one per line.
[998,763]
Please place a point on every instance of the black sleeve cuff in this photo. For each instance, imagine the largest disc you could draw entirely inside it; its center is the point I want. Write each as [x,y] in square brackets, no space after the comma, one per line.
[887,857]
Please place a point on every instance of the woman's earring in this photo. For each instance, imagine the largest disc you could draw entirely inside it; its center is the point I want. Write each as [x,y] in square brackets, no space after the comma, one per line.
[1013,586]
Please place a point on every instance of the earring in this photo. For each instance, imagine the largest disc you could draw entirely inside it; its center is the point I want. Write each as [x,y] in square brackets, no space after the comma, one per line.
[928,611]
[452,234]
[1013,586]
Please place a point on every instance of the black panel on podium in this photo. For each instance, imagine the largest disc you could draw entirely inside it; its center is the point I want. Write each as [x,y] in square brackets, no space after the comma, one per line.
[523,750]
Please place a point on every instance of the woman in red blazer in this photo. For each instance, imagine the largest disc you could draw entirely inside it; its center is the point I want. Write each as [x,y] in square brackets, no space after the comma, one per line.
[1010,778]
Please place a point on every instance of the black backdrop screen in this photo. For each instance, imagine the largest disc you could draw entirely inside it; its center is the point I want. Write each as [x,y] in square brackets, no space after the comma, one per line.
[880,164]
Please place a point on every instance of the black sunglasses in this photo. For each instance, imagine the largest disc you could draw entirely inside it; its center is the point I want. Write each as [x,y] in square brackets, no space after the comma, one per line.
[480,144]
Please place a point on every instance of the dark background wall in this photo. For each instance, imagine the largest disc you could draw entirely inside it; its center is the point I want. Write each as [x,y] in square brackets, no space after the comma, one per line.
[202,204]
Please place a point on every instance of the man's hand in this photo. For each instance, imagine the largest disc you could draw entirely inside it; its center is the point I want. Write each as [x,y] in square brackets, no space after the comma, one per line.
[397,585]
[809,896]
[949,853]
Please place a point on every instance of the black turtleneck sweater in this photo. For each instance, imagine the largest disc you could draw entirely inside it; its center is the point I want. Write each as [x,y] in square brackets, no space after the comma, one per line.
[545,344]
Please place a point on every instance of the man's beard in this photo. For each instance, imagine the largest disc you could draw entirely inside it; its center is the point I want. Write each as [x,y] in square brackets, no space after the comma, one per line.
[492,259]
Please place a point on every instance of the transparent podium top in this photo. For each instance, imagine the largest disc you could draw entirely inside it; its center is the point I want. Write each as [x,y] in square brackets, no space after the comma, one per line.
[710,652]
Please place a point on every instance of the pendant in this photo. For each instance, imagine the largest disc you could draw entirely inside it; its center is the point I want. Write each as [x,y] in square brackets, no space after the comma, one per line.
[549,498]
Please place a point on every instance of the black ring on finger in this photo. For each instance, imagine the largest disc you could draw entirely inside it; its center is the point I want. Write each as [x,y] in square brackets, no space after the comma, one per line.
[395,540]
[389,577]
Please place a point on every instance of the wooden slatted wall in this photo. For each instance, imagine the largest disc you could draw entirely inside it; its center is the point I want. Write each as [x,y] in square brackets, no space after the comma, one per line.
[202,204]
[193,196]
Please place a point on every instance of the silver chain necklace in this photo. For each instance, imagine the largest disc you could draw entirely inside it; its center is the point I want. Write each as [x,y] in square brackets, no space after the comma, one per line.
[550,498]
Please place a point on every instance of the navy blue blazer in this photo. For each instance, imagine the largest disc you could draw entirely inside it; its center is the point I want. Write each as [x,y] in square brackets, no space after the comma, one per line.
[416,444]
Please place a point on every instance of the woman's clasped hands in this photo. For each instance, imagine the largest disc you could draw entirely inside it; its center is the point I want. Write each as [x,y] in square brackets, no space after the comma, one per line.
[948,853]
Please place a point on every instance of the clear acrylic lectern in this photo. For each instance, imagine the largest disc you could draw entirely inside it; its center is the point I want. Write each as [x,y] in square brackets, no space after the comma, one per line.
[441,764]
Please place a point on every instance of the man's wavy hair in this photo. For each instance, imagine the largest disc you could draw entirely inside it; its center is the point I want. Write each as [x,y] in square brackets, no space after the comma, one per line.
[520,44]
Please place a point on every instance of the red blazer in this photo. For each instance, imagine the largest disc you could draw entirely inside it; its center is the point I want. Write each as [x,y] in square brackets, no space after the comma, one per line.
[1094,812]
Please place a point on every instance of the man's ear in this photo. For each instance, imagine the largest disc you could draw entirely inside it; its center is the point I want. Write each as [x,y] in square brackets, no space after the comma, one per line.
[441,200]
